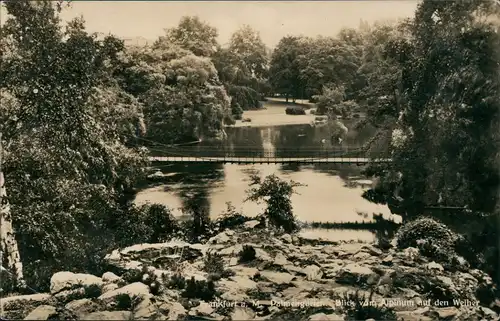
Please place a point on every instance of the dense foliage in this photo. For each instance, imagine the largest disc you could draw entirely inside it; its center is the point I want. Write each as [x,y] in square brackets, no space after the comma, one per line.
[67,165]
[276,194]
[444,116]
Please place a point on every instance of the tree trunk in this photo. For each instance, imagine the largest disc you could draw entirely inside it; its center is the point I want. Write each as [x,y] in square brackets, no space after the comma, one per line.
[286,97]
[10,257]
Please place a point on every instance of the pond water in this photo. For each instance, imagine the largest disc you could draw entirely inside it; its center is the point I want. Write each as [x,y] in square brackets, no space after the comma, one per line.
[332,192]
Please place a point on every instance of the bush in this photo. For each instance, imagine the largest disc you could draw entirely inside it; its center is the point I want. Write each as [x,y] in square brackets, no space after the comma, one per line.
[361,311]
[213,263]
[229,219]
[433,238]
[247,254]
[244,98]
[295,111]
[231,119]
[276,193]
[92,291]
[199,290]
[149,223]
[176,281]
[123,302]
[236,110]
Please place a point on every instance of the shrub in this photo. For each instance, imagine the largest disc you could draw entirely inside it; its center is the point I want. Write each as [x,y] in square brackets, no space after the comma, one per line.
[244,98]
[229,219]
[276,193]
[92,291]
[199,290]
[231,119]
[176,281]
[134,275]
[213,263]
[433,238]
[149,223]
[295,111]
[361,311]
[247,254]
[123,302]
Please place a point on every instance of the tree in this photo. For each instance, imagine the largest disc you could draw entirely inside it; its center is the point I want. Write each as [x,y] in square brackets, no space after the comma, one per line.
[285,70]
[66,127]
[10,259]
[192,34]
[449,79]
[276,194]
[327,61]
[330,98]
[187,102]
[250,51]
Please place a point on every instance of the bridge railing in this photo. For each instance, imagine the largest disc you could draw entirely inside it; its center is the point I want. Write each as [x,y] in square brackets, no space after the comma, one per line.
[245,152]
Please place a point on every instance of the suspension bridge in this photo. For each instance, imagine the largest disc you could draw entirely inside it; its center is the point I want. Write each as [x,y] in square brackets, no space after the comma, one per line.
[246,155]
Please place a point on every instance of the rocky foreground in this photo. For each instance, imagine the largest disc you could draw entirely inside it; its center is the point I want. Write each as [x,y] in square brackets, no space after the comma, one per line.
[283,278]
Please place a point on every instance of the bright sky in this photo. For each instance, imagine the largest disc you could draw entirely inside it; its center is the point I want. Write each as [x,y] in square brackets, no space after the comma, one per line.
[273,19]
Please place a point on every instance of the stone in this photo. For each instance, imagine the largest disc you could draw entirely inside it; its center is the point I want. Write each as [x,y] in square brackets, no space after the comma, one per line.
[411,253]
[242,313]
[292,268]
[42,312]
[175,311]
[447,281]
[109,287]
[242,282]
[232,250]
[204,309]
[434,266]
[329,249]
[325,317]
[413,316]
[387,260]
[488,312]
[68,280]
[13,302]
[280,260]
[447,313]
[70,295]
[220,238]
[108,315]
[312,272]
[251,224]
[353,274]
[110,277]
[233,261]
[81,307]
[361,256]
[286,238]
[372,250]
[136,289]
[277,277]
[168,252]
[145,310]
[262,255]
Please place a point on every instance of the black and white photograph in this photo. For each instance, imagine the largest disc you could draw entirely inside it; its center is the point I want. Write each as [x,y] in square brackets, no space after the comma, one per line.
[250,160]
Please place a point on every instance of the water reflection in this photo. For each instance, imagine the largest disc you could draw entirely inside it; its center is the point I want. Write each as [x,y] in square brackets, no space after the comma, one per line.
[332,193]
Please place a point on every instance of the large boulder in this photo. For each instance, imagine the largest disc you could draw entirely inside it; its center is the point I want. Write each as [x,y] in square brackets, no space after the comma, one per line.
[68,281]
[354,274]
[42,312]
[137,289]
[20,301]
[167,254]
[108,315]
